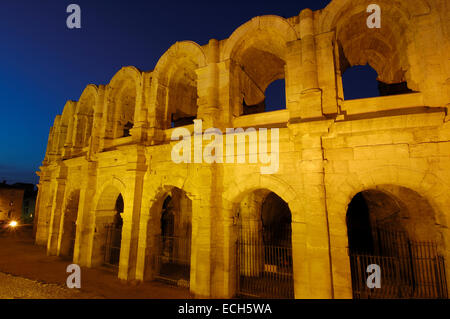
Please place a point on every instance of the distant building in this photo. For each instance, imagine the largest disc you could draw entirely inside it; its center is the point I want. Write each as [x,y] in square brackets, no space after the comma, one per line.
[29,201]
[11,198]
[17,201]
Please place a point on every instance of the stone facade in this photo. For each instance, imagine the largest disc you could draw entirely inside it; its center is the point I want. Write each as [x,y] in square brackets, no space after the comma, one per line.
[330,148]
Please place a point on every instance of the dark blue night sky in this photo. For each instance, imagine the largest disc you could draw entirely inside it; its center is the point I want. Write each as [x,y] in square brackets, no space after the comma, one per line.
[43,63]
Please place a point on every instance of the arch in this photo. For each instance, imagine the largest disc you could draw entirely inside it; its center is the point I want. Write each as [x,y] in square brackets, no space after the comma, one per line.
[168,247]
[63,131]
[260,245]
[396,227]
[424,183]
[68,112]
[105,215]
[259,54]
[174,85]
[341,190]
[244,185]
[84,116]
[110,188]
[336,9]
[273,25]
[387,49]
[123,96]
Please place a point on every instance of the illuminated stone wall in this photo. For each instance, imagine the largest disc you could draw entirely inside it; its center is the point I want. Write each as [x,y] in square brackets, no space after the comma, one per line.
[330,148]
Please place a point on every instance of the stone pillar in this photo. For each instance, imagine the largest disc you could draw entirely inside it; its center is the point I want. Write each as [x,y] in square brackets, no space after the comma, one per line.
[55,220]
[41,213]
[85,218]
[299,253]
[136,169]
[200,281]
[147,247]
[208,87]
[140,125]
[326,72]
[224,256]
[311,95]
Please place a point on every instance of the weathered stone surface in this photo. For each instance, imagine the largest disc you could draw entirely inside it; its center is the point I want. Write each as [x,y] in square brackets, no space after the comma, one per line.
[365,144]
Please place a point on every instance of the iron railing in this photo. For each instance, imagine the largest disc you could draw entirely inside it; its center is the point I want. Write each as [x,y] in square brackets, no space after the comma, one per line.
[112,245]
[73,233]
[409,269]
[263,270]
[173,260]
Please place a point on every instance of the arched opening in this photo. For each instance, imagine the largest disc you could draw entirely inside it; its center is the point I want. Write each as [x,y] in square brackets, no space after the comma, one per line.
[169,239]
[258,51]
[175,89]
[275,96]
[257,69]
[84,120]
[395,228]
[182,95]
[264,247]
[108,229]
[360,82]
[122,92]
[114,235]
[125,102]
[364,52]
[69,226]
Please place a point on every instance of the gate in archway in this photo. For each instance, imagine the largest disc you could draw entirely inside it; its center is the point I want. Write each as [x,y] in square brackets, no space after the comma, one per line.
[409,269]
[73,233]
[113,241]
[173,259]
[264,264]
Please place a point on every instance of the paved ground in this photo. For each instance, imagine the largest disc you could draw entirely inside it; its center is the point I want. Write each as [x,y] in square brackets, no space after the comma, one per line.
[27,272]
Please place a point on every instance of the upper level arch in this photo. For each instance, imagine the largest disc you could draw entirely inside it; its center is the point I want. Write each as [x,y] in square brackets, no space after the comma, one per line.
[387,50]
[122,97]
[174,85]
[84,116]
[62,132]
[259,52]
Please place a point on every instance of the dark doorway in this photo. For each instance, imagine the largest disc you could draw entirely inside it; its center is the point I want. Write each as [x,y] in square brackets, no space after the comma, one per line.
[408,268]
[264,250]
[114,236]
[173,257]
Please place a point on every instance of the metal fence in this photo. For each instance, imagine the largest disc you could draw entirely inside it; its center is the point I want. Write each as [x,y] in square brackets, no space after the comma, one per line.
[173,260]
[112,244]
[73,233]
[409,269]
[264,270]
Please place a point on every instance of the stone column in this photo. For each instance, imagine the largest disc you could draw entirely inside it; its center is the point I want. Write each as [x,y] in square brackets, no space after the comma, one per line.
[311,95]
[225,256]
[85,218]
[200,281]
[136,169]
[140,125]
[55,220]
[326,71]
[148,229]
[208,87]
[41,213]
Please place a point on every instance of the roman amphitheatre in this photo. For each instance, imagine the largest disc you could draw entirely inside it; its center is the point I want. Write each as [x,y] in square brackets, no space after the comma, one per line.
[362,181]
